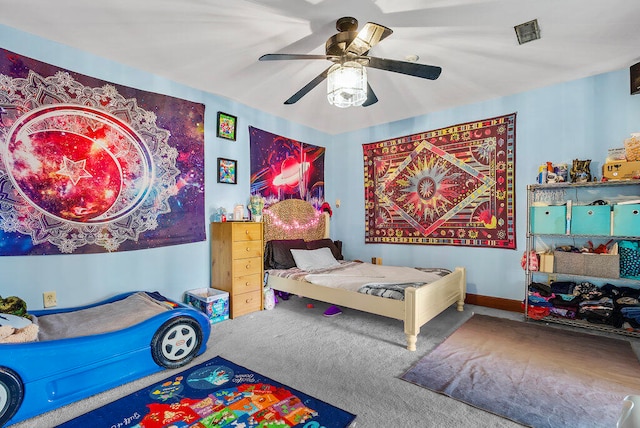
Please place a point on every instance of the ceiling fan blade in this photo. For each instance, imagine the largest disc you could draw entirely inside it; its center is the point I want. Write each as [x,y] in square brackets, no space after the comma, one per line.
[280,57]
[308,87]
[430,72]
[369,36]
[371,97]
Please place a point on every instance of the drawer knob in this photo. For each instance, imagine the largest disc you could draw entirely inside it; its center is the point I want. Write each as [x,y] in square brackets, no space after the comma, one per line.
[248,301]
[248,249]
[246,283]
[246,232]
[248,266]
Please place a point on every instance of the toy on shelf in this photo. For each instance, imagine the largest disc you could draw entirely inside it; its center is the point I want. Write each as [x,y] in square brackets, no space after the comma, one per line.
[256,205]
[553,173]
[581,171]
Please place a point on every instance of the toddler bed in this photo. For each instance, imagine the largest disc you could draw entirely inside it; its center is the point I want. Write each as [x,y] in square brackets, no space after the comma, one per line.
[81,351]
[415,296]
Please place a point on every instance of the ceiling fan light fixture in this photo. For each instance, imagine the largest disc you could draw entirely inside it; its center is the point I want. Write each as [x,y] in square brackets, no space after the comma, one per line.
[347,84]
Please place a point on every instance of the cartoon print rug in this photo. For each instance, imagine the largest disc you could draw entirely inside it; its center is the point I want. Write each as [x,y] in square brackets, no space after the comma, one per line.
[216,393]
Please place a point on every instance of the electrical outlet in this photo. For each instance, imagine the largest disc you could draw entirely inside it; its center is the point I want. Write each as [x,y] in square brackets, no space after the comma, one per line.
[49,298]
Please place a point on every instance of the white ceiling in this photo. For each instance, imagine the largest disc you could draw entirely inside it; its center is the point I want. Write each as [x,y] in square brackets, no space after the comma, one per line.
[214,45]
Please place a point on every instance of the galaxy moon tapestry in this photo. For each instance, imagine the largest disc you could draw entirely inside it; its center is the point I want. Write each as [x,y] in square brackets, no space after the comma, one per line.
[87,166]
[450,186]
[282,168]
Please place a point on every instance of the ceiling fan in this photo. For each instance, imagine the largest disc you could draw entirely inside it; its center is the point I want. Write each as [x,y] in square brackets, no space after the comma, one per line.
[348,51]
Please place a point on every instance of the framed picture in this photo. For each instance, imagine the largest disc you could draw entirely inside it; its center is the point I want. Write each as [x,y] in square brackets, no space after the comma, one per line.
[226,126]
[227,171]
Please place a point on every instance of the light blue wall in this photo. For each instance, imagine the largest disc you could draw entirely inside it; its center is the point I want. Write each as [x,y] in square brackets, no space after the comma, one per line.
[579,119]
[79,279]
[575,120]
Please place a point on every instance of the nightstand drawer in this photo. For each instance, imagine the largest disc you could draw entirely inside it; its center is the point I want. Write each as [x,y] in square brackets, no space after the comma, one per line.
[247,232]
[246,249]
[245,303]
[246,283]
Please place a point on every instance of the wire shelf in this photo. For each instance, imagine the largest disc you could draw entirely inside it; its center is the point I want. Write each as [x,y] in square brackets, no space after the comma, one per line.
[586,325]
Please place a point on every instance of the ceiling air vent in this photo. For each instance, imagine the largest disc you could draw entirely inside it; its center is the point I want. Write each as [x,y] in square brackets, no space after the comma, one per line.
[528,31]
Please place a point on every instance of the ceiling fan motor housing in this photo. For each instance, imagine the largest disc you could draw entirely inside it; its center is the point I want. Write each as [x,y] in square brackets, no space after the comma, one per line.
[337,43]
[347,23]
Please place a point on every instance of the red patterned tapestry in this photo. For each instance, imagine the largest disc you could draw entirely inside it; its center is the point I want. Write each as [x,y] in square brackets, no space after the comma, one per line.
[450,186]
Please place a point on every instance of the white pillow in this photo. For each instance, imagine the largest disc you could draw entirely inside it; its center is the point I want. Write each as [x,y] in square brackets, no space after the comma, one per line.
[321,258]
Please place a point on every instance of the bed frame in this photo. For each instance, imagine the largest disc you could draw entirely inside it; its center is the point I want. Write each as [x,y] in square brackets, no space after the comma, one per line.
[420,304]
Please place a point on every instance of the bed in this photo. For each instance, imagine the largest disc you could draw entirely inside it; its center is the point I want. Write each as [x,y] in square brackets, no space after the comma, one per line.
[294,220]
[81,351]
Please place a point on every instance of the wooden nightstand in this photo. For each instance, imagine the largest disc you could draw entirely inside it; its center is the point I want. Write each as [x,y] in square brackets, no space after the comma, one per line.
[236,264]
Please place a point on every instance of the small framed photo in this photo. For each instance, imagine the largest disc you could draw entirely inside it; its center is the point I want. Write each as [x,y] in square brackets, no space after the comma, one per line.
[227,171]
[226,126]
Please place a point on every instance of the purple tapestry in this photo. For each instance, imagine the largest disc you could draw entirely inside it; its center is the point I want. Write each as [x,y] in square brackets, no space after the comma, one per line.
[282,168]
[88,166]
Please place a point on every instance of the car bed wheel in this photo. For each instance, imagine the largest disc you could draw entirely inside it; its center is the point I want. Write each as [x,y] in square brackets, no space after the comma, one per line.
[11,394]
[176,342]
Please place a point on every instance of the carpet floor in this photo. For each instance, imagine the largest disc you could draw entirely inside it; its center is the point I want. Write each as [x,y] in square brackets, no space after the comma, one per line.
[353,361]
[536,375]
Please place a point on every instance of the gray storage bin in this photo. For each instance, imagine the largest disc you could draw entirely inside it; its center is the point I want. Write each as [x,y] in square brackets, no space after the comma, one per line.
[597,265]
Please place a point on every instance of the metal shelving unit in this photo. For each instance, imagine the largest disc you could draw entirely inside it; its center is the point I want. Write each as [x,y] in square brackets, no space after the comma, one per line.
[580,192]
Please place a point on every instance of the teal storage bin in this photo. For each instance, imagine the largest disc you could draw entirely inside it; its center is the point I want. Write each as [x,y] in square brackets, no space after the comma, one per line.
[549,220]
[626,220]
[591,220]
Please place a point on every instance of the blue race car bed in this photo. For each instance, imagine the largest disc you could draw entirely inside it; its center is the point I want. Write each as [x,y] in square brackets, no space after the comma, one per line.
[85,350]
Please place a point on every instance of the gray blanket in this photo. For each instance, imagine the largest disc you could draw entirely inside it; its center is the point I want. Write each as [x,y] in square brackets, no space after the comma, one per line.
[100,319]
[396,290]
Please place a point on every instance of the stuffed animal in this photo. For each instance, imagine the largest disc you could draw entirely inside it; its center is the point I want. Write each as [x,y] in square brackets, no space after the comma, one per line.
[15,329]
[13,305]
[9,334]
[15,323]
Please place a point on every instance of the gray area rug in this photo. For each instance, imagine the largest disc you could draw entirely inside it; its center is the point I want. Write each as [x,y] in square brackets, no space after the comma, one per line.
[536,375]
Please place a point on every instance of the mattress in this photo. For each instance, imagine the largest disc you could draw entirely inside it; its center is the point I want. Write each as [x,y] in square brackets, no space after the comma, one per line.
[366,278]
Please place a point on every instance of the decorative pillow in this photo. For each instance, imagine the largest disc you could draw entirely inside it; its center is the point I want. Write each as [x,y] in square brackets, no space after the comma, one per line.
[321,258]
[277,253]
[328,243]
